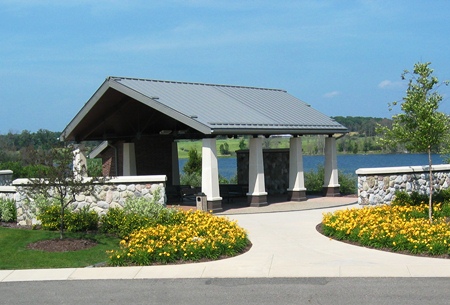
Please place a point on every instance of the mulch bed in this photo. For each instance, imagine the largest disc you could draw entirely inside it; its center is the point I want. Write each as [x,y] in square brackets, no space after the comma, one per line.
[53,245]
[62,245]
[72,244]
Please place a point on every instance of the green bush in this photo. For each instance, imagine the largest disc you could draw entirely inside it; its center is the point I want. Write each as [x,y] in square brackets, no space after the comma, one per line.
[403,198]
[94,167]
[348,183]
[314,181]
[114,221]
[8,211]
[137,213]
[21,171]
[193,179]
[82,220]
[74,221]
[49,216]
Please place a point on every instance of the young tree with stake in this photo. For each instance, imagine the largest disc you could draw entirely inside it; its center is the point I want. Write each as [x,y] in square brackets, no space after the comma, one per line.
[420,127]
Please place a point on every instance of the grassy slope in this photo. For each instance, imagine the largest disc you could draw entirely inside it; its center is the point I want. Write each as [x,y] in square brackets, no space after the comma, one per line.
[233,145]
[15,255]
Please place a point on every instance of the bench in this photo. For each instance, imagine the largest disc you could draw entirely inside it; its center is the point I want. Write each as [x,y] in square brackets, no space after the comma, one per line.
[230,191]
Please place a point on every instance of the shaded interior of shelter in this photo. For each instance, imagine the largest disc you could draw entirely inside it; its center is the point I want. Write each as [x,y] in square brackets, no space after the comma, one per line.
[228,202]
[117,116]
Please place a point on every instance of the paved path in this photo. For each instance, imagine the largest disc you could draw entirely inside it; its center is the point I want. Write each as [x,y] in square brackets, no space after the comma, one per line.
[285,244]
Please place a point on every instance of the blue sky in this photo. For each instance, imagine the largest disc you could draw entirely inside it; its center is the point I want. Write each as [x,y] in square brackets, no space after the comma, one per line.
[343,57]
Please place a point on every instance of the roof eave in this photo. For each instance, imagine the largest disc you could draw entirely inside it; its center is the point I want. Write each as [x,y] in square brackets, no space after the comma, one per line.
[84,111]
[153,103]
[110,83]
[262,131]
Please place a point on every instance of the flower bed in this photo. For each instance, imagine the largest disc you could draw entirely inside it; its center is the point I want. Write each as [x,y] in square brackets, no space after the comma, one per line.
[398,228]
[198,235]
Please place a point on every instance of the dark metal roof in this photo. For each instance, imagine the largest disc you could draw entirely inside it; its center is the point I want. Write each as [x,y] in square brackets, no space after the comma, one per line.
[202,108]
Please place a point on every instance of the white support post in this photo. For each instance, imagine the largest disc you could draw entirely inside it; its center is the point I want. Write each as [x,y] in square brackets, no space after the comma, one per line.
[210,175]
[175,164]
[257,195]
[79,161]
[296,190]
[129,160]
[331,179]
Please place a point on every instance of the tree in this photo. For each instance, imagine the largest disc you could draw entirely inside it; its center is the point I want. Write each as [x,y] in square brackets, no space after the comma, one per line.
[60,180]
[192,169]
[194,163]
[420,127]
[242,144]
[224,149]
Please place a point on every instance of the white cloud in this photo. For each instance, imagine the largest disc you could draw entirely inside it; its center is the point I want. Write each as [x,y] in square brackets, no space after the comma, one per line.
[331,94]
[387,84]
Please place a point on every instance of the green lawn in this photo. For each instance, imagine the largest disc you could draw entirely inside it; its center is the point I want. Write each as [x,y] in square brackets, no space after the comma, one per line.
[15,255]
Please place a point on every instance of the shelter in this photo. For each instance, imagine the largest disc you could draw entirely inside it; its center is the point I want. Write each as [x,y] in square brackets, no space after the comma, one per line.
[140,121]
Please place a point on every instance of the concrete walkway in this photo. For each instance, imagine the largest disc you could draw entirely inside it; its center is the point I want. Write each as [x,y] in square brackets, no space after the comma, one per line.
[285,244]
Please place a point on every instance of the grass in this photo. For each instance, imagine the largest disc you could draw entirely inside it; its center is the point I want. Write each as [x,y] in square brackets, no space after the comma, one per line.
[15,255]
[186,145]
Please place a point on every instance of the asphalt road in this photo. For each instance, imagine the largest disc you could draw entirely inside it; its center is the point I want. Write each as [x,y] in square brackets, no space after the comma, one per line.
[259,291]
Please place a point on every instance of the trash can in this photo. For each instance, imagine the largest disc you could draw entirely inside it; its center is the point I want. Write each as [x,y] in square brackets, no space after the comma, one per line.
[202,203]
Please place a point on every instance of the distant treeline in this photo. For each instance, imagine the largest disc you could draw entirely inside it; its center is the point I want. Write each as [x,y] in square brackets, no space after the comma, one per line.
[19,147]
[364,126]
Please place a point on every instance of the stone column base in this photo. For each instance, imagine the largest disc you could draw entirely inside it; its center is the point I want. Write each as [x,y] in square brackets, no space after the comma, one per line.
[215,206]
[257,200]
[296,196]
[331,191]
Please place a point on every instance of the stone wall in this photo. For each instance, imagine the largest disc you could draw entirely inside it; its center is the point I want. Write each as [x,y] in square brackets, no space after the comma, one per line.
[378,185]
[276,169]
[110,194]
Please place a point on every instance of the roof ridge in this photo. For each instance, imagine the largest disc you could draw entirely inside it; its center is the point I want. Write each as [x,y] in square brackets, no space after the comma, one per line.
[192,83]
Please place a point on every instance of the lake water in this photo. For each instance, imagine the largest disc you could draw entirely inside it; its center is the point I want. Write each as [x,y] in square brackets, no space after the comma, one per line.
[346,163]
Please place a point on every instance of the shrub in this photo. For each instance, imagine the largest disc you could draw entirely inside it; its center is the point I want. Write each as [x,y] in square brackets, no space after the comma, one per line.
[314,181]
[94,167]
[137,213]
[348,183]
[49,216]
[193,179]
[82,220]
[403,198]
[74,221]
[8,211]
[199,235]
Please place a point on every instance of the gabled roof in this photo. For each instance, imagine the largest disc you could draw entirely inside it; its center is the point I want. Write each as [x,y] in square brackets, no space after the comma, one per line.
[200,108]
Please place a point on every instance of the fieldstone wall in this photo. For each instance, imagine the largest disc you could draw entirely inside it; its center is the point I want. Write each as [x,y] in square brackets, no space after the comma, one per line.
[379,185]
[110,194]
[276,169]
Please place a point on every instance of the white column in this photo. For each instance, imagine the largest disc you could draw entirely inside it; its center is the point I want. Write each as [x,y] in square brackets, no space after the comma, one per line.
[175,164]
[331,181]
[129,160]
[296,188]
[210,170]
[256,185]
[79,161]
